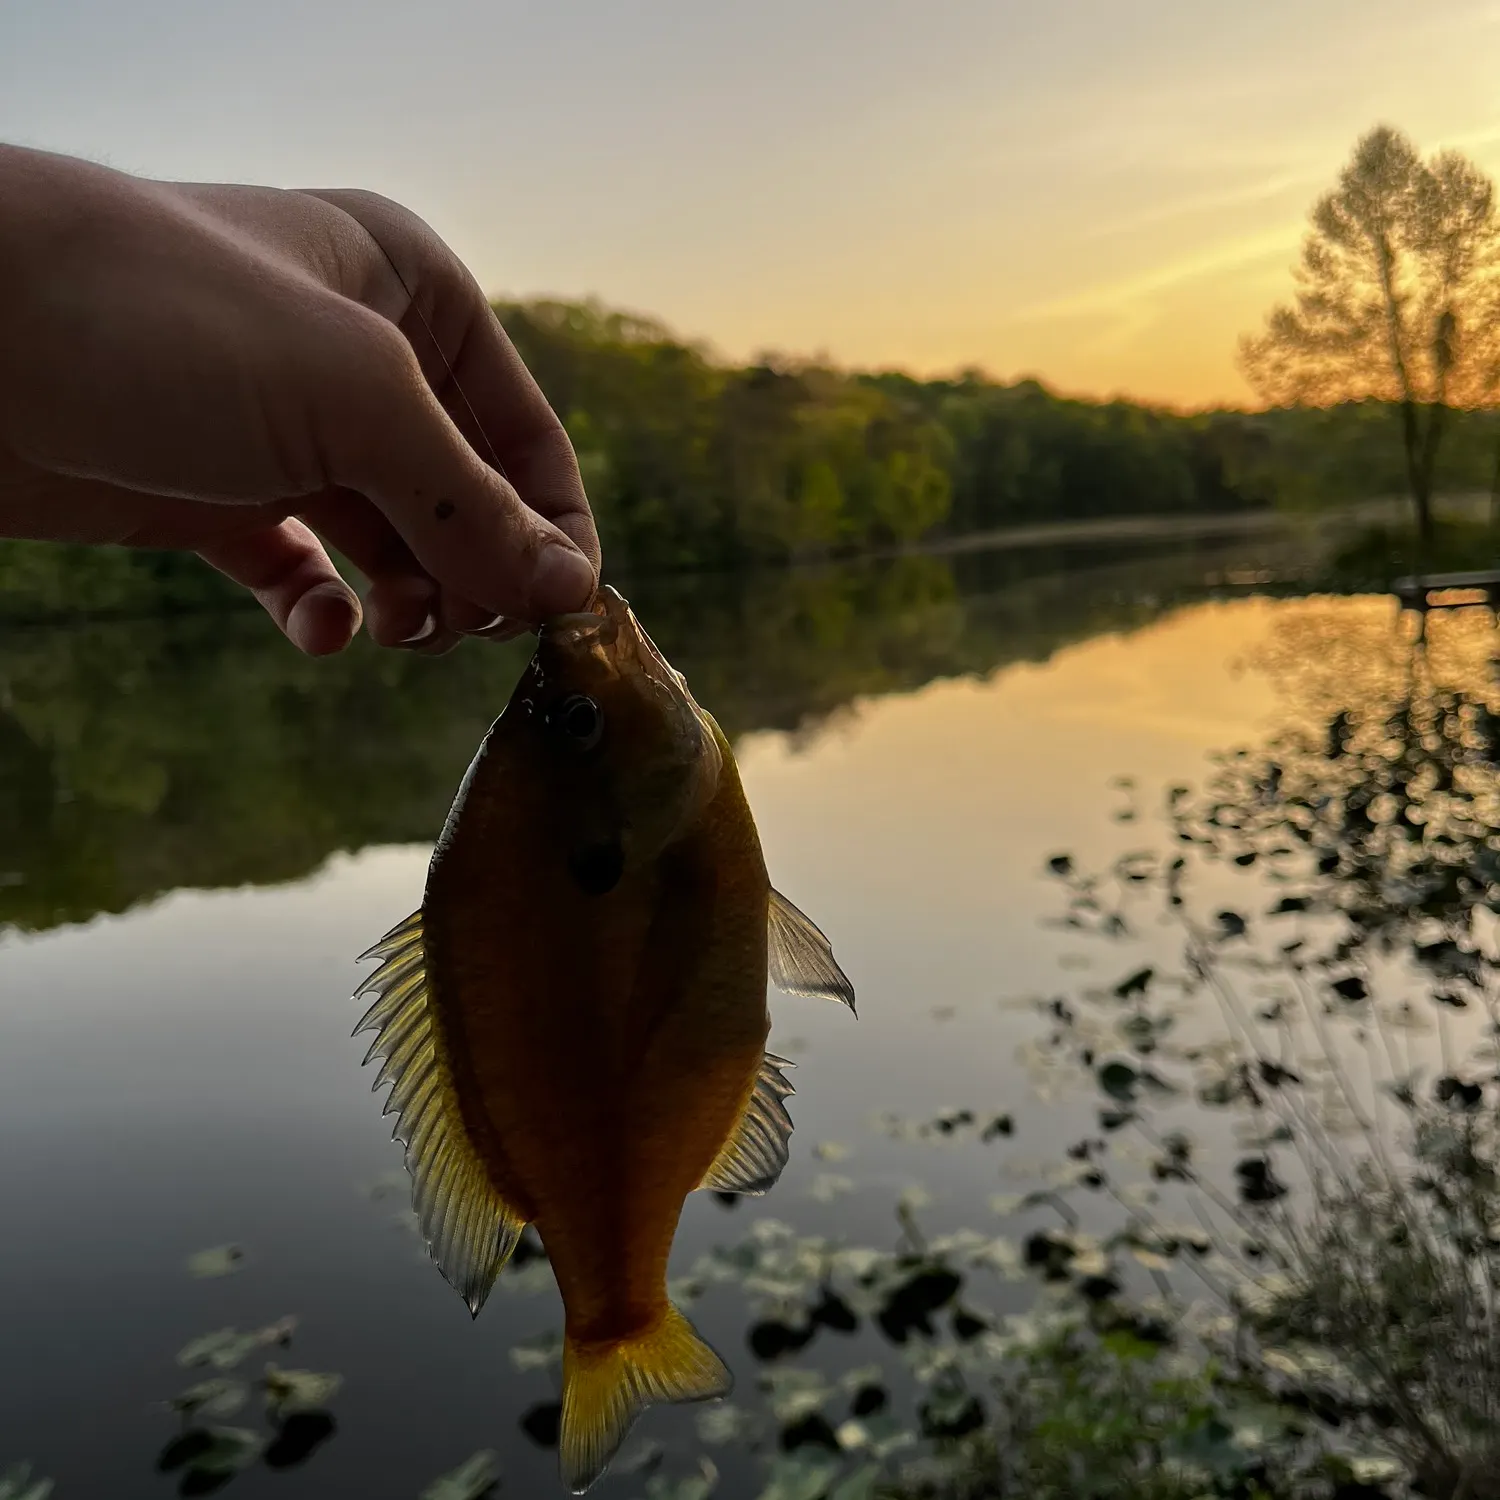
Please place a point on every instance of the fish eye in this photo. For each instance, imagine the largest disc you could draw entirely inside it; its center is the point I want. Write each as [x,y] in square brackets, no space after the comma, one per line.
[578,719]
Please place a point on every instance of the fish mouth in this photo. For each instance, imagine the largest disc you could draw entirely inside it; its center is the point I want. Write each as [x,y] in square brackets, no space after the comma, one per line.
[598,625]
[609,630]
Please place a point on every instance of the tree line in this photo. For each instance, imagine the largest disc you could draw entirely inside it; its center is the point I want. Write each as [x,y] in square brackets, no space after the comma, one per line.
[1383,371]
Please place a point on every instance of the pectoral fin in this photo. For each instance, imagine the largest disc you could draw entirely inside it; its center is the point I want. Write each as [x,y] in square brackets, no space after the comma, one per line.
[469,1228]
[753,1157]
[802,961]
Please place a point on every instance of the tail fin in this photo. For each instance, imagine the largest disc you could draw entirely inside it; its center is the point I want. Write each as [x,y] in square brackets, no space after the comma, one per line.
[607,1386]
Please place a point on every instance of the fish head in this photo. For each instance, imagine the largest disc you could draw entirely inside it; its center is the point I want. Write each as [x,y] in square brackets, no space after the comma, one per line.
[627,757]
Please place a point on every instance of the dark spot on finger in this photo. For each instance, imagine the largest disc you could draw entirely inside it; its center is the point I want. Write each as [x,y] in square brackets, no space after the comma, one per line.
[443,509]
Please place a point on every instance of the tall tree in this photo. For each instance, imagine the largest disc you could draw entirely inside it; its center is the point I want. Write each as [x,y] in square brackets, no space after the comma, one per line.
[1398,298]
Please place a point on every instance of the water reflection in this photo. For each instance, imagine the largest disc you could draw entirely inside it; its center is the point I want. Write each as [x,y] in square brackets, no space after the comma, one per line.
[1332,893]
[186,1073]
[200,751]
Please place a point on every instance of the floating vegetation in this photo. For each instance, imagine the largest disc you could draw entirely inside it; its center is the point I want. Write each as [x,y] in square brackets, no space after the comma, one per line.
[18,1483]
[827,1186]
[207,1458]
[206,1455]
[222,1260]
[225,1348]
[211,1398]
[474,1479]
[1352,1239]
[289,1392]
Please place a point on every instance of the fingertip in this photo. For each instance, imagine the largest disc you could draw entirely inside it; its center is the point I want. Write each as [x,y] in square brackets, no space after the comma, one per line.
[324,620]
[562,580]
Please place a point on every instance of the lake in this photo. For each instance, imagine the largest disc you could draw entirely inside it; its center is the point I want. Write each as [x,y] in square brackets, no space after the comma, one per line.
[199,831]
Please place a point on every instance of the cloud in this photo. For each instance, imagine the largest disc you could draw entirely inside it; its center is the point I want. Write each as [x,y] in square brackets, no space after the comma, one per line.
[1243,195]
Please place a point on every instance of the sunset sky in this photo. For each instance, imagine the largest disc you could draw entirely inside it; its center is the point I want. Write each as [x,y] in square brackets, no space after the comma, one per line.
[1103,195]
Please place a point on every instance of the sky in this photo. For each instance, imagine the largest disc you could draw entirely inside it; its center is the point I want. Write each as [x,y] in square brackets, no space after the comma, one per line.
[1099,194]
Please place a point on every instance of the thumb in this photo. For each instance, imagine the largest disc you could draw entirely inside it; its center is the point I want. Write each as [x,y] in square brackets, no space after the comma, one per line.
[384,433]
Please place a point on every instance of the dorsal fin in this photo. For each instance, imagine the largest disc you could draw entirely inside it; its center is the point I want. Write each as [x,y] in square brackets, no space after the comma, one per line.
[469,1228]
[752,1158]
[802,961]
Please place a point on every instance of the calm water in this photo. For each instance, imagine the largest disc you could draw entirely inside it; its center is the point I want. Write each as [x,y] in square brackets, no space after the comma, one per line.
[199,830]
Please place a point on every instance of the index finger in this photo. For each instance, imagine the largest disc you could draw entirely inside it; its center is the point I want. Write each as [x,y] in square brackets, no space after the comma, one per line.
[471,364]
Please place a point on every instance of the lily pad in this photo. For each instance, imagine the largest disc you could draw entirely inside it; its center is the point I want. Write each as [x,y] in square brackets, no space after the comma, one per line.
[209,1398]
[289,1391]
[225,1348]
[221,1260]
[798,1476]
[727,1423]
[298,1438]
[471,1480]
[17,1483]
[212,1452]
[540,1352]
[827,1186]
[697,1486]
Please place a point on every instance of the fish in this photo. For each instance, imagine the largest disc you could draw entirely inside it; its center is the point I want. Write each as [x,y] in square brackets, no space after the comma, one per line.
[574,1023]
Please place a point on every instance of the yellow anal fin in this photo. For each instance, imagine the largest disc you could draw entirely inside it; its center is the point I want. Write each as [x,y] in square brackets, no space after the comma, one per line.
[607,1386]
[753,1157]
[802,961]
[469,1228]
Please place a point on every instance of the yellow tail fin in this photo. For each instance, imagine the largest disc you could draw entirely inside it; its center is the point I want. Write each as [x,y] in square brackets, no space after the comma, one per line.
[607,1386]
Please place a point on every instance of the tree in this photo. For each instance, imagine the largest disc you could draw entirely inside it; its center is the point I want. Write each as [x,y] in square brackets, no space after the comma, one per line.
[1398,292]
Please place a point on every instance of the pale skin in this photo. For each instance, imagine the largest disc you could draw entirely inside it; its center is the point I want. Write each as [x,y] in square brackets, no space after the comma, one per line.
[248,373]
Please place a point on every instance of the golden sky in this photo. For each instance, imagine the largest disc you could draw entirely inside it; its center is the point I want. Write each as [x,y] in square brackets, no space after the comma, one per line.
[1102,195]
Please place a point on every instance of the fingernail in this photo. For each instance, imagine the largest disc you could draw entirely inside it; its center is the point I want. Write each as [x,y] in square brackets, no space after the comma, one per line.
[562,580]
[429,628]
[500,629]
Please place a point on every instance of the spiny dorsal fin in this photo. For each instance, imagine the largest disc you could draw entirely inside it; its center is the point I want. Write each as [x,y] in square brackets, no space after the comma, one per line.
[469,1228]
[607,1386]
[752,1158]
[802,961]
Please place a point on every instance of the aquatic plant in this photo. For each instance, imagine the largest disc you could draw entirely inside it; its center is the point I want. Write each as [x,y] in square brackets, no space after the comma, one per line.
[18,1483]
[1357,1239]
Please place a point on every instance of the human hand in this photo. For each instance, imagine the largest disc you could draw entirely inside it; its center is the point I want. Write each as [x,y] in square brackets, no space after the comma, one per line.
[239,371]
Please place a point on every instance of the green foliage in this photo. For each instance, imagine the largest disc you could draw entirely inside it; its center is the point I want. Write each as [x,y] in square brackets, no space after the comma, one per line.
[1397,288]
[136,757]
[17,1483]
[694,465]
[1356,1245]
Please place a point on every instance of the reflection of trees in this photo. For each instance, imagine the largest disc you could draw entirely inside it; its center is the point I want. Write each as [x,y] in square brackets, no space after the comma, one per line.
[1370,1175]
[1385,776]
[202,751]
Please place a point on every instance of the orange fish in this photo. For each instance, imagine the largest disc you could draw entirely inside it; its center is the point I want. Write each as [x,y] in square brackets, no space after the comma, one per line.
[575,1021]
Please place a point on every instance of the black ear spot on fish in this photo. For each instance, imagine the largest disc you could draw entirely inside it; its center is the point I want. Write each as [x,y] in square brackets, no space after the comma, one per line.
[597,867]
[578,720]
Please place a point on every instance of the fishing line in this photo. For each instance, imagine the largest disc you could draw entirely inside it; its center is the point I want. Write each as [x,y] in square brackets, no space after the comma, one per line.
[452,373]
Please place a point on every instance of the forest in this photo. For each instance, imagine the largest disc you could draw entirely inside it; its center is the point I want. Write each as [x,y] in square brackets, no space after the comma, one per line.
[693,464]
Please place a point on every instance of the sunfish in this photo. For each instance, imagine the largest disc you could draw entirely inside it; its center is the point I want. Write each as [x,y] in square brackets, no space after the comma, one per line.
[575,1021]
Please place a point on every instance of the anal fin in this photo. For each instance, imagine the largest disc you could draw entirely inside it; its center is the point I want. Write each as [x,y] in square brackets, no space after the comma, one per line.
[755,1154]
[802,961]
[469,1228]
[607,1386]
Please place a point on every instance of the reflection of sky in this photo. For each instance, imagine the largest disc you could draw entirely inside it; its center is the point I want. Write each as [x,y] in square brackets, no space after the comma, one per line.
[1103,194]
[184,1076]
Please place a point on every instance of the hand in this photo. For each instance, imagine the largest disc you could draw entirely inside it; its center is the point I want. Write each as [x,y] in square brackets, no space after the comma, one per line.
[238,371]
